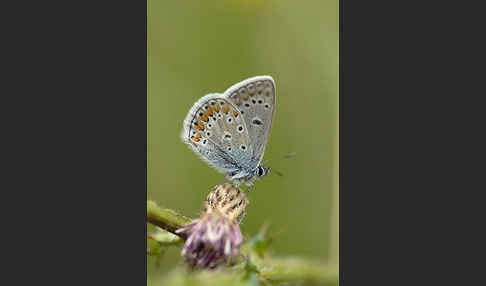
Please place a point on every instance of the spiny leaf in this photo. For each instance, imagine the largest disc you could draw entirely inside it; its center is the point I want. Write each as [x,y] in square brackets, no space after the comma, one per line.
[259,243]
[250,267]
[250,272]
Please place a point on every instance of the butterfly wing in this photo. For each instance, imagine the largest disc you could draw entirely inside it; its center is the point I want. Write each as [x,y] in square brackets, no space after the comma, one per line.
[255,99]
[215,130]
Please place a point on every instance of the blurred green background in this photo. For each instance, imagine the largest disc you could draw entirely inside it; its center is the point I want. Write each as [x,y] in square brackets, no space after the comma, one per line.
[198,47]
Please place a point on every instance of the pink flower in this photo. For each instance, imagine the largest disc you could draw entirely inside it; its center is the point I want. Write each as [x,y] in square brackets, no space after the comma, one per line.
[215,238]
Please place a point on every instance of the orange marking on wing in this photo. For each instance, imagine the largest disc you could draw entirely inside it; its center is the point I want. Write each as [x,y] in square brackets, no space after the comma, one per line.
[216,108]
[209,111]
[200,126]
[198,135]
[235,113]
[204,118]
[195,139]
[225,109]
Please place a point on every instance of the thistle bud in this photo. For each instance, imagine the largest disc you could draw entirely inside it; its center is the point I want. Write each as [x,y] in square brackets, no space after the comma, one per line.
[215,237]
[227,200]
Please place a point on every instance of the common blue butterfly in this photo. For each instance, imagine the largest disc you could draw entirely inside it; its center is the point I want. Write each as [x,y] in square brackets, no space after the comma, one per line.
[230,130]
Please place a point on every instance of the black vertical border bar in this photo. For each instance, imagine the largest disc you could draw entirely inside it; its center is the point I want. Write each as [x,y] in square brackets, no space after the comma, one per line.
[116,125]
[80,73]
[366,74]
[405,72]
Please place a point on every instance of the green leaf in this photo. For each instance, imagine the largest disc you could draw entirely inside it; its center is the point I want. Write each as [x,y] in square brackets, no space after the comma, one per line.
[253,280]
[259,243]
[250,267]
[155,250]
[165,238]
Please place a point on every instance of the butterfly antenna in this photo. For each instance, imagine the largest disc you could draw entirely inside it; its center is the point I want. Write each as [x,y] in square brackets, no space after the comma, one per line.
[276,172]
[290,155]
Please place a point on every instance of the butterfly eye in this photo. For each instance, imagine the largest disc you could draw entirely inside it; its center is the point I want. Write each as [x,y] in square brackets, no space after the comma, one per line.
[262,171]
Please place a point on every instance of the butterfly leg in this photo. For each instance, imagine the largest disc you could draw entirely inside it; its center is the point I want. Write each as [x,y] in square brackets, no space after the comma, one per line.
[237,183]
[250,180]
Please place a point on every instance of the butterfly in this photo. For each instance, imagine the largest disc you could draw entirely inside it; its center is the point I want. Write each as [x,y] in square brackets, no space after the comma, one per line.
[230,130]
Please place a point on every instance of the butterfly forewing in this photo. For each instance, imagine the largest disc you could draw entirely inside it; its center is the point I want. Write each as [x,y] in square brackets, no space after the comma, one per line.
[255,99]
[215,130]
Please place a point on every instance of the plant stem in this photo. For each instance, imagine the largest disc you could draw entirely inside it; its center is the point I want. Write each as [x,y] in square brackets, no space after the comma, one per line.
[299,270]
[165,218]
[276,270]
[270,270]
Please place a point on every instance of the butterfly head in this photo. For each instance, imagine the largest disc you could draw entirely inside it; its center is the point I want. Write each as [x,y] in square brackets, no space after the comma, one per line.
[261,171]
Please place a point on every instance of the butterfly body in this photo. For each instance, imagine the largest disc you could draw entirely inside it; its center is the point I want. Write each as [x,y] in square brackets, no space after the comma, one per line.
[230,130]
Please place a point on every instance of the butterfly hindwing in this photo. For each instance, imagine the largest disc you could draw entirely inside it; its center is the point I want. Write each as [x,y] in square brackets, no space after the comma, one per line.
[255,99]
